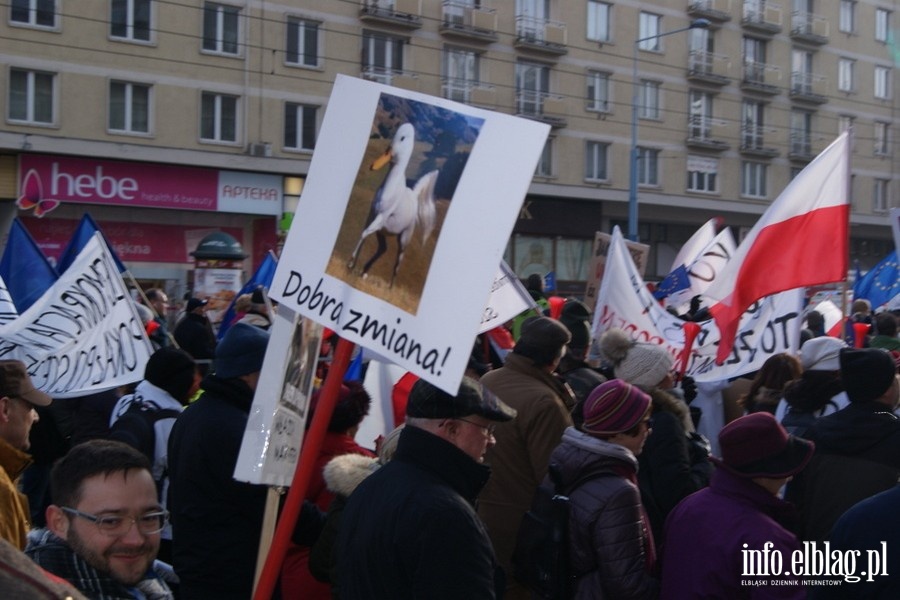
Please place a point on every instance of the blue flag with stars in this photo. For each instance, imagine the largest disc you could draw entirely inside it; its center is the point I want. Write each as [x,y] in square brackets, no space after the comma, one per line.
[674,282]
[880,284]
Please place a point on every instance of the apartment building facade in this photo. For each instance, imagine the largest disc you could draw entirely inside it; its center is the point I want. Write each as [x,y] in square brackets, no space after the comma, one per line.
[166,120]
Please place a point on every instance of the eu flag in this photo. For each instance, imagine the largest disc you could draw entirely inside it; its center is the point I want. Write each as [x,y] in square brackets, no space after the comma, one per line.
[24,268]
[881,284]
[85,231]
[674,282]
[263,277]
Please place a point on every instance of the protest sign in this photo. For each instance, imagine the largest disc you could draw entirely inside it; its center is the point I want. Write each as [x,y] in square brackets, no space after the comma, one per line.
[383,259]
[769,326]
[82,335]
[274,432]
[639,253]
[508,298]
[8,310]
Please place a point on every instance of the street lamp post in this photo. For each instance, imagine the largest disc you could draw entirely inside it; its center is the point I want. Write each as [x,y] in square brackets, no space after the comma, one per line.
[632,183]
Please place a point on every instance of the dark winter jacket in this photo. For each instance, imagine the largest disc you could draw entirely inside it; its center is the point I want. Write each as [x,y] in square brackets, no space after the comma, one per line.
[857,456]
[706,533]
[195,336]
[216,521]
[674,462]
[410,529]
[610,546]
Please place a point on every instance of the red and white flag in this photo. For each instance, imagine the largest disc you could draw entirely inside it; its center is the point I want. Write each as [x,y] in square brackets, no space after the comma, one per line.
[801,240]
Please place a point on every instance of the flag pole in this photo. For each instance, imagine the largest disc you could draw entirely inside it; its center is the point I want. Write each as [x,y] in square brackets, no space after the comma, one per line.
[308,455]
[150,306]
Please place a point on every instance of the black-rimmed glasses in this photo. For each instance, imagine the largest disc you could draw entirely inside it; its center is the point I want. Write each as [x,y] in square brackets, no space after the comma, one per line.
[117,526]
[488,429]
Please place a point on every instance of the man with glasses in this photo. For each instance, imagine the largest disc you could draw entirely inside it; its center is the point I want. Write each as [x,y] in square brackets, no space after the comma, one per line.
[409,530]
[103,529]
[18,397]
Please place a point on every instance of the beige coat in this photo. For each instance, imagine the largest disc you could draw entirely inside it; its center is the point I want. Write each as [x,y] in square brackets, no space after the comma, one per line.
[14,523]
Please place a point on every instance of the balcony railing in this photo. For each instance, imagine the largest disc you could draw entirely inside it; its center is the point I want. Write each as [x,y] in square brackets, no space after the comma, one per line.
[469,92]
[760,77]
[540,34]
[807,87]
[405,13]
[392,77]
[714,10]
[702,133]
[753,141]
[461,19]
[707,67]
[762,18]
[541,106]
[809,28]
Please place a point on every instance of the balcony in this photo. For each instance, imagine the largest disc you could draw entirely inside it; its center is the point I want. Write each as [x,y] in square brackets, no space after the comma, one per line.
[717,11]
[541,35]
[401,79]
[539,106]
[401,13]
[752,142]
[469,92]
[762,19]
[807,87]
[800,147]
[760,78]
[462,20]
[706,67]
[810,29]
[702,134]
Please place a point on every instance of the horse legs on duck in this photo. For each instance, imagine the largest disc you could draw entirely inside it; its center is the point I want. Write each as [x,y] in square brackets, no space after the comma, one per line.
[381,249]
[376,224]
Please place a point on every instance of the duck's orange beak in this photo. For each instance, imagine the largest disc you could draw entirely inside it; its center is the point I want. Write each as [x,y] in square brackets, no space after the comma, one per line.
[382,160]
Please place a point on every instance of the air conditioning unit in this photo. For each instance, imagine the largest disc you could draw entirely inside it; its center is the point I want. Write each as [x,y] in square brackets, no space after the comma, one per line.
[260,149]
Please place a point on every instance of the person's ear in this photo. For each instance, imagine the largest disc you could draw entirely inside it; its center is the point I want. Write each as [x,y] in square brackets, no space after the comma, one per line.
[57,521]
[5,402]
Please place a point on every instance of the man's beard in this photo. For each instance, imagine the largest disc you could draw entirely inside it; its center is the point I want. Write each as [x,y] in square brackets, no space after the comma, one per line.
[101,562]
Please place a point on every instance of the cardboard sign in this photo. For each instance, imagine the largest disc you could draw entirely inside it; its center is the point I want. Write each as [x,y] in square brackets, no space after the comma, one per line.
[639,253]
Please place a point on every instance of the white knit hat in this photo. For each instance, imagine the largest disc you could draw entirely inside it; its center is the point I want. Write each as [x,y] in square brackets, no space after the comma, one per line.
[643,365]
[821,354]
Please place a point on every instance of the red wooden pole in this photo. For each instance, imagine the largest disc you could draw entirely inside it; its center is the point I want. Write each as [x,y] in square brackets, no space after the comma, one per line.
[310,451]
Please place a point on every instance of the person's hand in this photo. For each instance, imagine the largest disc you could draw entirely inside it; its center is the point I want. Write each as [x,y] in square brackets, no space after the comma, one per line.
[689,387]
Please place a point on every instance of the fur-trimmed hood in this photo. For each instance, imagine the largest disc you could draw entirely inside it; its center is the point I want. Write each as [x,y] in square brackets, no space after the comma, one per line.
[666,401]
[343,473]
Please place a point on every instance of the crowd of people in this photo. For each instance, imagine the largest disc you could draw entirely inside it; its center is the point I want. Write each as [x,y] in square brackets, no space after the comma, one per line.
[146,506]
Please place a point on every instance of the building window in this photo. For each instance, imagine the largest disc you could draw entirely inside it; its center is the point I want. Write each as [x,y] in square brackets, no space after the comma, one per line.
[598,91]
[218,117]
[882,82]
[845,74]
[568,258]
[648,166]
[130,20]
[882,138]
[220,28]
[595,161]
[382,56]
[847,19]
[845,123]
[129,107]
[801,133]
[649,26]
[532,86]
[753,179]
[302,42]
[881,195]
[598,19]
[702,174]
[31,97]
[648,99]
[882,25]
[801,71]
[545,163]
[37,13]
[700,118]
[754,60]
[299,126]
[752,125]
[461,73]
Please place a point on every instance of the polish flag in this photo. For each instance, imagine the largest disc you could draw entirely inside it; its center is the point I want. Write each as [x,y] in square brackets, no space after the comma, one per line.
[801,240]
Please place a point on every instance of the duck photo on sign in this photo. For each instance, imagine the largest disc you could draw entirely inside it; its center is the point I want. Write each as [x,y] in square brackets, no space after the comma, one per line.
[402,192]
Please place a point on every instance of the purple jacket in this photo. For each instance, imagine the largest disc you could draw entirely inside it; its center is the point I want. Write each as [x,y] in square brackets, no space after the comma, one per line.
[703,552]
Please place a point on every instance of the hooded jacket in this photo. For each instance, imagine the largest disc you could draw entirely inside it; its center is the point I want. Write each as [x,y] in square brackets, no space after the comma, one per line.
[857,456]
[610,545]
[410,529]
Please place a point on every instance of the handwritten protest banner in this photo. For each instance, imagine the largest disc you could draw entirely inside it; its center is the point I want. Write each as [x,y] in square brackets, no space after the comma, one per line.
[403,220]
[84,334]
[768,327]
[508,298]
[8,311]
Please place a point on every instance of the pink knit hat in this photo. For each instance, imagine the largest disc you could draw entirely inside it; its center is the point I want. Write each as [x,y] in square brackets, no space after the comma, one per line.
[613,407]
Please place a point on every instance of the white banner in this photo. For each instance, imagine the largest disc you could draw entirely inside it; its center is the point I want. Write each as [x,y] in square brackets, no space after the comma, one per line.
[639,253]
[768,327]
[274,434]
[8,310]
[403,220]
[508,298]
[703,269]
[84,334]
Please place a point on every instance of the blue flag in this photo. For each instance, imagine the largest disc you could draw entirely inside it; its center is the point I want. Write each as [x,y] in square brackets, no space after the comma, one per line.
[24,268]
[880,284]
[550,282]
[263,277]
[86,230]
[674,282]
[354,369]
